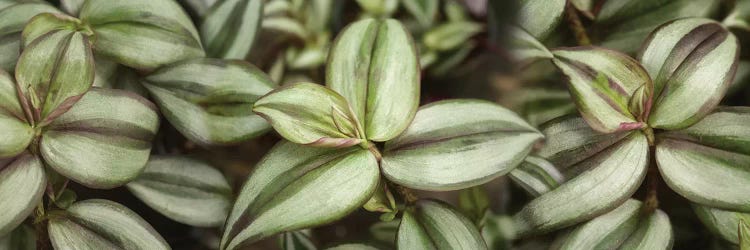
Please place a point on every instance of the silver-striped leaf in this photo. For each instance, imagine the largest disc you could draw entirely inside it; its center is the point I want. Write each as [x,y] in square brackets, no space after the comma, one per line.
[17,132]
[142,34]
[692,62]
[22,184]
[424,11]
[374,65]
[296,240]
[474,203]
[603,83]
[457,144]
[55,69]
[524,47]
[210,100]
[537,176]
[607,231]
[13,17]
[230,26]
[602,172]
[709,162]
[540,17]
[311,114]
[183,189]
[721,222]
[296,187]
[22,238]
[102,224]
[653,233]
[435,225]
[353,246]
[104,141]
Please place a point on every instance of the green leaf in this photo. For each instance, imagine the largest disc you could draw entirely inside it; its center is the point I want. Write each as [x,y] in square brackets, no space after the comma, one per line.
[296,240]
[374,65]
[13,17]
[450,35]
[435,225]
[102,224]
[721,222]
[524,47]
[142,34]
[385,231]
[602,83]
[22,184]
[540,105]
[740,16]
[653,232]
[692,62]
[18,133]
[378,7]
[607,231]
[537,176]
[45,23]
[382,200]
[353,246]
[185,190]
[498,232]
[72,7]
[424,11]
[310,114]
[104,141]
[457,144]
[627,23]
[295,187]
[210,100]
[540,17]
[54,71]
[230,26]
[603,170]
[474,203]
[65,199]
[744,232]
[22,238]
[199,7]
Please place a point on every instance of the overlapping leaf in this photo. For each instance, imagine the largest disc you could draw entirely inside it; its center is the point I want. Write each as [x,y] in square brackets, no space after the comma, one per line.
[744,232]
[537,176]
[229,28]
[210,100]
[424,11]
[692,62]
[142,34]
[22,183]
[18,133]
[13,17]
[457,144]
[102,224]
[435,225]
[295,187]
[183,189]
[653,232]
[607,231]
[524,47]
[740,16]
[104,141]
[721,222]
[22,238]
[374,65]
[297,240]
[540,17]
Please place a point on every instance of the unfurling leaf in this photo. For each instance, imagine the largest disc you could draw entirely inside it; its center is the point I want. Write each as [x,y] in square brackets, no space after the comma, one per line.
[22,184]
[721,222]
[457,144]
[602,83]
[55,69]
[102,224]
[295,187]
[537,176]
[104,141]
[692,62]
[13,17]
[210,100]
[142,34]
[435,225]
[374,66]
[230,26]
[310,114]
[540,17]
[185,190]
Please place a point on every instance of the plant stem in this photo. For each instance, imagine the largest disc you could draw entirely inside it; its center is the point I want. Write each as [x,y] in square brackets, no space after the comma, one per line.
[374,150]
[574,21]
[652,181]
[40,226]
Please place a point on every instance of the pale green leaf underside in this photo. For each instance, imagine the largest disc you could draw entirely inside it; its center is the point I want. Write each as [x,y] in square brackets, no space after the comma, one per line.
[296,187]
[230,26]
[101,224]
[435,225]
[210,100]
[104,141]
[22,184]
[457,144]
[540,17]
[13,18]
[185,190]
[721,222]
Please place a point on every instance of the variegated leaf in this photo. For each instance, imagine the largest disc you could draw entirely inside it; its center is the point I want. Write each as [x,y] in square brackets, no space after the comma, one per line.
[450,35]
[626,23]
[537,176]
[524,47]
[653,232]
[22,184]
[229,28]
[22,238]
[540,105]
[54,70]
[210,100]
[435,225]
[602,83]
[692,62]
[355,246]
[17,132]
[424,11]
[295,187]
[540,17]
[607,231]
[296,240]
[603,170]
[102,224]
[310,114]
[457,144]
[72,7]
[104,141]
[185,190]
[13,17]
[709,162]
[374,65]
[721,222]
[142,34]
[45,23]
[474,203]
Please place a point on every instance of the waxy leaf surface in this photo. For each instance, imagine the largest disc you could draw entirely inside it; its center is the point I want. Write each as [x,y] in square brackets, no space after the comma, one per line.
[18,133]
[435,225]
[22,184]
